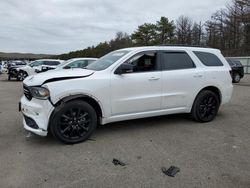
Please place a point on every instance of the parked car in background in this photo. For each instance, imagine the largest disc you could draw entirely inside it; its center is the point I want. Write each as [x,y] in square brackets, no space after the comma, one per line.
[76,63]
[12,67]
[1,67]
[126,84]
[37,66]
[237,72]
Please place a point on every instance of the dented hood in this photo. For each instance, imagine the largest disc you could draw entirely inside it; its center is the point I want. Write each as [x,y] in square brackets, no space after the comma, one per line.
[56,75]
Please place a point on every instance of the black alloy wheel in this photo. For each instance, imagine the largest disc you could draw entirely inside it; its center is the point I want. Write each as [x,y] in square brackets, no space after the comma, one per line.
[74,122]
[205,107]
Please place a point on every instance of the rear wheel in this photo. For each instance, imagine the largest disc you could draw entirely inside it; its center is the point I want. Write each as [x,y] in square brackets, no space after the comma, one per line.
[205,107]
[236,77]
[74,122]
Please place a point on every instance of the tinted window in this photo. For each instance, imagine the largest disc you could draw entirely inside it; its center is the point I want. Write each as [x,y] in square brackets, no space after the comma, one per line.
[237,62]
[230,62]
[177,60]
[143,62]
[36,63]
[208,59]
[52,63]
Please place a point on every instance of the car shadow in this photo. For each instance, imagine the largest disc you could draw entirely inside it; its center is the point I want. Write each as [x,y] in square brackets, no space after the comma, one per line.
[129,125]
[140,124]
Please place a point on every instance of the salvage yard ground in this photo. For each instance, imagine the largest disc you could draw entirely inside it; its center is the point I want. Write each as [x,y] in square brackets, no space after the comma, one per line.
[215,154]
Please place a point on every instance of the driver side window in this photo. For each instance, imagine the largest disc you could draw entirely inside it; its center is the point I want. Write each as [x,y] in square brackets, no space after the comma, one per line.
[143,62]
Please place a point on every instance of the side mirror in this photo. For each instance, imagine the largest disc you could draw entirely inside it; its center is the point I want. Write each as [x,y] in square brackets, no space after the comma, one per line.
[124,68]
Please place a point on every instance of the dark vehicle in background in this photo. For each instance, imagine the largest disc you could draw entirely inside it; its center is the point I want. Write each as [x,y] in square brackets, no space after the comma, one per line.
[237,72]
[12,66]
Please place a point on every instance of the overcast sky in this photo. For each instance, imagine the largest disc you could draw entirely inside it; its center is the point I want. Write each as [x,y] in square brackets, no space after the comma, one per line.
[59,26]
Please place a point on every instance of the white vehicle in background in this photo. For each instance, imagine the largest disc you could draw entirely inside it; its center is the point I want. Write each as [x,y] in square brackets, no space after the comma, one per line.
[126,84]
[37,66]
[76,63]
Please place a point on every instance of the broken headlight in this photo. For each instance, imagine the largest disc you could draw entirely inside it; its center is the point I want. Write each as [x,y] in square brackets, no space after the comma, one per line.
[39,92]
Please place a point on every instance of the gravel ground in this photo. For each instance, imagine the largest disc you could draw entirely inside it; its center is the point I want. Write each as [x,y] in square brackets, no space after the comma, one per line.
[214,154]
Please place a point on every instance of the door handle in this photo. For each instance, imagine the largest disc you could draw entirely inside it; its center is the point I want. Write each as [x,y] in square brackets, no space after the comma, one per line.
[153,78]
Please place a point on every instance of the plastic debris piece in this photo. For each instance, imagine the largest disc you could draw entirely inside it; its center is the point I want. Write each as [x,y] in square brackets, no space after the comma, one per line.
[28,135]
[172,171]
[118,162]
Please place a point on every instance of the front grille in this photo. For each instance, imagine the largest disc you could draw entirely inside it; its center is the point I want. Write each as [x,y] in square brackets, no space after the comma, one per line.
[27,92]
[30,122]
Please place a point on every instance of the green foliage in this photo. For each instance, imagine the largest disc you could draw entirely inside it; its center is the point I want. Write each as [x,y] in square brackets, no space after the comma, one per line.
[145,35]
[165,31]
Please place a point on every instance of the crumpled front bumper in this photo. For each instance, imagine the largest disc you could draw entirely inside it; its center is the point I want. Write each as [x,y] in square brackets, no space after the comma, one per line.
[36,115]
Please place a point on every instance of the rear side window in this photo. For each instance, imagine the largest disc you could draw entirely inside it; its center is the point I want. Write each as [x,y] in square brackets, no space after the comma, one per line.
[208,59]
[177,60]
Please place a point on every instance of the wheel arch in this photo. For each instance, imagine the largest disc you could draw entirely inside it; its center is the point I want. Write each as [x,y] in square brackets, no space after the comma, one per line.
[90,100]
[93,102]
[214,89]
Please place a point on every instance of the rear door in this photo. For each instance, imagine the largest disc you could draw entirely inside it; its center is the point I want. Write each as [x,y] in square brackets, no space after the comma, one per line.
[181,78]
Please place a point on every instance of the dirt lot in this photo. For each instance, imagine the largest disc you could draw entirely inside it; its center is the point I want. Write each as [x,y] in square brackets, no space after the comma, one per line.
[215,154]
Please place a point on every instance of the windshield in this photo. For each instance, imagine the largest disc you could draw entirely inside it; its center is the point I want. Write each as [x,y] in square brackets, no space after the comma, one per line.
[36,63]
[63,64]
[107,60]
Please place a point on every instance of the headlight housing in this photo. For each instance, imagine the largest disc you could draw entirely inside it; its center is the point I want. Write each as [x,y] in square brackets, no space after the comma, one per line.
[39,92]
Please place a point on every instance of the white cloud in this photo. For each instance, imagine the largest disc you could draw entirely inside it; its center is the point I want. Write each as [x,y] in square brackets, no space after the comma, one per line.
[58,26]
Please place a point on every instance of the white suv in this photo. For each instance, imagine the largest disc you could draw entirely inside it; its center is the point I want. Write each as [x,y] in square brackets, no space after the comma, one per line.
[37,66]
[76,63]
[126,84]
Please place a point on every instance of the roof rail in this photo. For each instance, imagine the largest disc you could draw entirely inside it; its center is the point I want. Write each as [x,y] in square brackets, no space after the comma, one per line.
[185,45]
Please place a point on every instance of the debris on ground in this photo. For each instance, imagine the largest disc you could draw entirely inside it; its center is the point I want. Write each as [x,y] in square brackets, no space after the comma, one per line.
[139,157]
[118,162]
[28,135]
[172,171]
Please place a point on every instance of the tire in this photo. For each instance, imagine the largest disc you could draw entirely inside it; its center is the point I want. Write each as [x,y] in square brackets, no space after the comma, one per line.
[73,122]
[9,77]
[236,77]
[21,75]
[205,107]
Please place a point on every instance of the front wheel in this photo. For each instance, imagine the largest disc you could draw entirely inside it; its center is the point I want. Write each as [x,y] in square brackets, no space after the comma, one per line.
[74,122]
[205,107]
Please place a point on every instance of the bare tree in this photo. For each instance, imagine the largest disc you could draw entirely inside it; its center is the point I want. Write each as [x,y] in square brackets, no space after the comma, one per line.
[184,30]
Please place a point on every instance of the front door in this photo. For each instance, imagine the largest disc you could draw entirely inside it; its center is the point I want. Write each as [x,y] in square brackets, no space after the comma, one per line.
[139,90]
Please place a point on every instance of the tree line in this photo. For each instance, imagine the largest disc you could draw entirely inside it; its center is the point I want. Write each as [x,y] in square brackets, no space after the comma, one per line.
[228,29]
